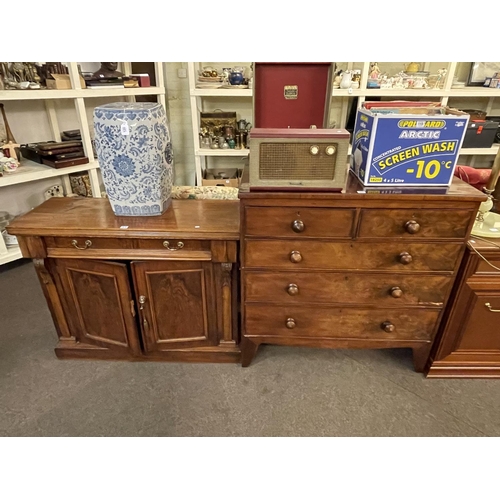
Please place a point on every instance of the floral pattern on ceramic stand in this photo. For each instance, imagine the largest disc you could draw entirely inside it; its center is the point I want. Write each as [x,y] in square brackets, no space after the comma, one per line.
[134,150]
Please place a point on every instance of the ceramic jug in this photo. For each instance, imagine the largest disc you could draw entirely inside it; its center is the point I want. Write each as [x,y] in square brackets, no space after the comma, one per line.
[236,77]
[412,67]
[345,83]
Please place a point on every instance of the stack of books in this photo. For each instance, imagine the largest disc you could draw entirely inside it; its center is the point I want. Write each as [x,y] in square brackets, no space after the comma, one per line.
[110,83]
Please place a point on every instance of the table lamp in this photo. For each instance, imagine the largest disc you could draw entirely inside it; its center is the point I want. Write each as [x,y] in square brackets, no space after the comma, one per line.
[487,223]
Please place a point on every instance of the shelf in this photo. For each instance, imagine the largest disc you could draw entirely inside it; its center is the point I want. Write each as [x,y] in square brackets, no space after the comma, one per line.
[472,92]
[222,92]
[465,92]
[31,171]
[387,92]
[480,151]
[13,253]
[223,152]
[23,95]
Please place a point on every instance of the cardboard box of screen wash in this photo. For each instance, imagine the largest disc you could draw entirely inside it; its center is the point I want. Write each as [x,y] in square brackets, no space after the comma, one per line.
[407,144]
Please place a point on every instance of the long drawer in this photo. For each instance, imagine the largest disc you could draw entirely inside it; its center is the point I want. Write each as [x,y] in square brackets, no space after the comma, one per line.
[334,322]
[390,290]
[299,222]
[390,255]
[127,247]
[414,224]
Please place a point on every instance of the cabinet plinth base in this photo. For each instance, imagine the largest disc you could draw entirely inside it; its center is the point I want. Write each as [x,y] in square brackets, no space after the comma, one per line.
[222,354]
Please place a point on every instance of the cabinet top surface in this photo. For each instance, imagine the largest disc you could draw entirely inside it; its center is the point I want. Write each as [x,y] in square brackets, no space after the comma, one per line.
[491,245]
[195,219]
[458,191]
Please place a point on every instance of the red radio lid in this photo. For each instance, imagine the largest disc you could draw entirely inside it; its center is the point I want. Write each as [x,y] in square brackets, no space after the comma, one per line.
[301,133]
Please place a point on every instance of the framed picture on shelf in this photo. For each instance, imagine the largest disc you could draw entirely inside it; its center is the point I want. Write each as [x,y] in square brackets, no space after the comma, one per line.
[480,71]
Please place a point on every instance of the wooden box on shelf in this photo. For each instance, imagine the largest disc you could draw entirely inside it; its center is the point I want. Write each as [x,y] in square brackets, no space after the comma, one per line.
[62,82]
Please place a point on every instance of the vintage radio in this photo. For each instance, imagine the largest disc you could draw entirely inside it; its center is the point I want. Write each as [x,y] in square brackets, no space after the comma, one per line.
[298,159]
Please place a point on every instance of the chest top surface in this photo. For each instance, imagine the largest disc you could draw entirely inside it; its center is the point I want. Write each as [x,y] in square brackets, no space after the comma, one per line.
[459,191]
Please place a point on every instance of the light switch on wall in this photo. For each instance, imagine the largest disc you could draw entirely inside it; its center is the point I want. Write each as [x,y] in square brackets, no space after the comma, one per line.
[182,73]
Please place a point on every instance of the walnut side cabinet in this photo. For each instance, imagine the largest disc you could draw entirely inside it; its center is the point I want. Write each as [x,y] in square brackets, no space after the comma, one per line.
[138,288]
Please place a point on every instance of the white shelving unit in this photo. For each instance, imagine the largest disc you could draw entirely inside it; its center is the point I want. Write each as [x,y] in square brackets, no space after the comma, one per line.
[30,171]
[9,254]
[196,101]
[343,96]
[24,95]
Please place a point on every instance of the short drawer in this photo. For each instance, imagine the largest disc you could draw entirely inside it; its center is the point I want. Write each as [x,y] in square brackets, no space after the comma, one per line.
[390,256]
[414,224]
[391,290]
[485,268]
[82,243]
[295,222]
[348,323]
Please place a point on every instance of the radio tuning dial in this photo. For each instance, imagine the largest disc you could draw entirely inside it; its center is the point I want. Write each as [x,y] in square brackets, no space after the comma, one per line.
[314,150]
[330,150]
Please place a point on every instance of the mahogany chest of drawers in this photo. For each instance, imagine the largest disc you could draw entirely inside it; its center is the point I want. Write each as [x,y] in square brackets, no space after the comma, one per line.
[350,270]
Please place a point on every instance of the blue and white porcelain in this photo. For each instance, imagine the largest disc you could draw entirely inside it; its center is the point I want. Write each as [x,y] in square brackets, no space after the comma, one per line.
[134,151]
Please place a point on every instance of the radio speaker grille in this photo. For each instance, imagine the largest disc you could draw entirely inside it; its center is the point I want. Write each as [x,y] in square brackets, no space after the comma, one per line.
[294,161]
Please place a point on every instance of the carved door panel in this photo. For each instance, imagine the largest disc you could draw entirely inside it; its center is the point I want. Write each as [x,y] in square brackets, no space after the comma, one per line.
[98,301]
[482,324]
[176,304]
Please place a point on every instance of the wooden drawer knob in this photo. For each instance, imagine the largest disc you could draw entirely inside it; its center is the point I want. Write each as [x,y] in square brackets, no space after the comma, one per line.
[295,256]
[290,323]
[405,258]
[396,292]
[298,226]
[292,289]
[412,227]
[387,326]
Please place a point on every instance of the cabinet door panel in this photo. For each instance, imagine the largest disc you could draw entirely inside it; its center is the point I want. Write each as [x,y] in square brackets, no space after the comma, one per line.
[177,308]
[482,330]
[99,302]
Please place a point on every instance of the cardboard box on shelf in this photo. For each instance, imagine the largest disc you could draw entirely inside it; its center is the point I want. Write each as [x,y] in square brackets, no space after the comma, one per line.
[62,82]
[233,178]
[143,79]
